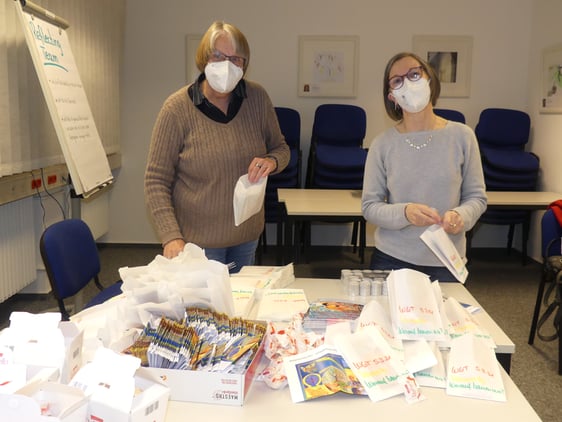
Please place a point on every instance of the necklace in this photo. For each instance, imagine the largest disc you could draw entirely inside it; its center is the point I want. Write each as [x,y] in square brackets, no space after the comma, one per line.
[411,143]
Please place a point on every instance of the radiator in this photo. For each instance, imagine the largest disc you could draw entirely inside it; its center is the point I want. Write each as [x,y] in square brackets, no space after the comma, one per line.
[18,245]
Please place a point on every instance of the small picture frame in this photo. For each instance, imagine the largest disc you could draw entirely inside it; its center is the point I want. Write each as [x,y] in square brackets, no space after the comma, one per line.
[328,66]
[551,80]
[451,57]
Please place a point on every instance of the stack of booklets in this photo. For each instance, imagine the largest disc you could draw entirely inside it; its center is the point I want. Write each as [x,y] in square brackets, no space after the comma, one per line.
[264,277]
[282,304]
[325,312]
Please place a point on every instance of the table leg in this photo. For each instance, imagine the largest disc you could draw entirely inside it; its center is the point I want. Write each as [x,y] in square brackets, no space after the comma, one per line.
[505,360]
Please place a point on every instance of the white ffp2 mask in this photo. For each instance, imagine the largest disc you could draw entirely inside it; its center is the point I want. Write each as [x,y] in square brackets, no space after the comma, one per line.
[223,76]
[413,97]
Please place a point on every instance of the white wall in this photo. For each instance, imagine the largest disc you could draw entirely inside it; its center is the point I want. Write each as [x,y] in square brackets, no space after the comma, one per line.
[506,34]
[547,128]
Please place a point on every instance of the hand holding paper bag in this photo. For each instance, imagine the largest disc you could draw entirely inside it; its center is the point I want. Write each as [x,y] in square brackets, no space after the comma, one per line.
[248,198]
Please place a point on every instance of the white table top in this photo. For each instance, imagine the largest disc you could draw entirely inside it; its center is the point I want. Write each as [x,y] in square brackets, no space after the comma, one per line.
[344,202]
[263,403]
[537,200]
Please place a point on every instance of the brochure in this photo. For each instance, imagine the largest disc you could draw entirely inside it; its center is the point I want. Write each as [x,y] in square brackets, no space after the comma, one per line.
[320,372]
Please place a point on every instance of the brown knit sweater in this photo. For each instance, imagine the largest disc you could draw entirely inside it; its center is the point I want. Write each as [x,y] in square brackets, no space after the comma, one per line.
[194,163]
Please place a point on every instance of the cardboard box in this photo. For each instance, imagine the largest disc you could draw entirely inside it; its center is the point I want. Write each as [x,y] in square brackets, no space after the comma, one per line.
[60,350]
[149,403]
[44,402]
[209,387]
[73,339]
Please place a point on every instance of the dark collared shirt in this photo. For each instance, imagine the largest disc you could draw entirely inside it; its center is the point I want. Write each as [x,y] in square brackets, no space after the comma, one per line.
[202,103]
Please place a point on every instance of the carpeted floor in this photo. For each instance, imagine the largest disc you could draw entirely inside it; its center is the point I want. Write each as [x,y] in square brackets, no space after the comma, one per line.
[504,287]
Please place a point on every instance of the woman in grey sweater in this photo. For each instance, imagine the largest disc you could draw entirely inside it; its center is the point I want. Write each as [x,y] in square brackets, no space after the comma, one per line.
[423,171]
[205,137]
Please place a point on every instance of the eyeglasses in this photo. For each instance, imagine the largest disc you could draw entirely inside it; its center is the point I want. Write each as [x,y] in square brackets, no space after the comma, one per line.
[414,74]
[217,56]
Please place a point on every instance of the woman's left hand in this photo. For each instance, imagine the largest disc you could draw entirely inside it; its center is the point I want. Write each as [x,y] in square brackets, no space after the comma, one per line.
[452,222]
[260,167]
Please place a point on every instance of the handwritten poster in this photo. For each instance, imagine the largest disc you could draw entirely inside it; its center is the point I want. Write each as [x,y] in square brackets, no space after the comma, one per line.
[67,103]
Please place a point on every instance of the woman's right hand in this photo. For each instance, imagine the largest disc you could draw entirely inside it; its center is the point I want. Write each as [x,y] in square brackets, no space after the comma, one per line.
[421,215]
[173,248]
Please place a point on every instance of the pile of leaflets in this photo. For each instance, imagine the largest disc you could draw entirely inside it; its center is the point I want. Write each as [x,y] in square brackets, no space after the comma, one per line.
[325,312]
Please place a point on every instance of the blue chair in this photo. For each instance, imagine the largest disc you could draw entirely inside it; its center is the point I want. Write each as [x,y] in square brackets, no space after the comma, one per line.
[290,124]
[337,158]
[449,114]
[70,255]
[551,237]
[502,135]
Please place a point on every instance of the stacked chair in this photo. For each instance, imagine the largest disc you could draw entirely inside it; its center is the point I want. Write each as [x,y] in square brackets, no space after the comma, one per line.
[450,114]
[290,123]
[502,135]
[337,157]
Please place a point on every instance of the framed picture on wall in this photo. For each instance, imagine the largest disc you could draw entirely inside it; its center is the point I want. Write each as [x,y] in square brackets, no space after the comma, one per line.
[191,43]
[451,57]
[328,66]
[551,80]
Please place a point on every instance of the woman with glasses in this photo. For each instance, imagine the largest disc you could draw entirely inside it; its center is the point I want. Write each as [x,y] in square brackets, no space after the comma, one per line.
[206,136]
[424,170]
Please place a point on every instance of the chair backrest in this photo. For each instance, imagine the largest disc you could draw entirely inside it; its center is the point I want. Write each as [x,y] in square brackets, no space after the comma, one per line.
[503,128]
[449,114]
[70,255]
[290,123]
[551,234]
[339,124]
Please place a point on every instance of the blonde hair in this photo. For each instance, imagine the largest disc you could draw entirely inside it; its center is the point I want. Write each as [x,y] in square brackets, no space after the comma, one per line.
[207,45]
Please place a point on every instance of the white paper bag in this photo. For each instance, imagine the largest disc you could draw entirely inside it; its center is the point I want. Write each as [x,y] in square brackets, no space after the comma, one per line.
[442,246]
[413,307]
[473,370]
[248,198]
[376,365]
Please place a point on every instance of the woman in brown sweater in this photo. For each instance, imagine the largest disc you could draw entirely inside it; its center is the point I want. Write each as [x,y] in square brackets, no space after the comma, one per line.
[205,137]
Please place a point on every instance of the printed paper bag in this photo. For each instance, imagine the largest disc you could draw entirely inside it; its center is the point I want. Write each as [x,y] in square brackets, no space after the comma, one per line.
[376,314]
[442,246]
[463,323]
[248,198]
[413,307]
[376,366]
[435,376]
[473,370]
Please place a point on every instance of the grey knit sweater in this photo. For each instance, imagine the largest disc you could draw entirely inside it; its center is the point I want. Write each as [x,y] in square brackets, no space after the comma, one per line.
[194,163]
[446,174]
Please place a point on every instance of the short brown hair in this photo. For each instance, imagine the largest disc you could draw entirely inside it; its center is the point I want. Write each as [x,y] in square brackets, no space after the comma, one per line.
[394,111]
[207,44]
